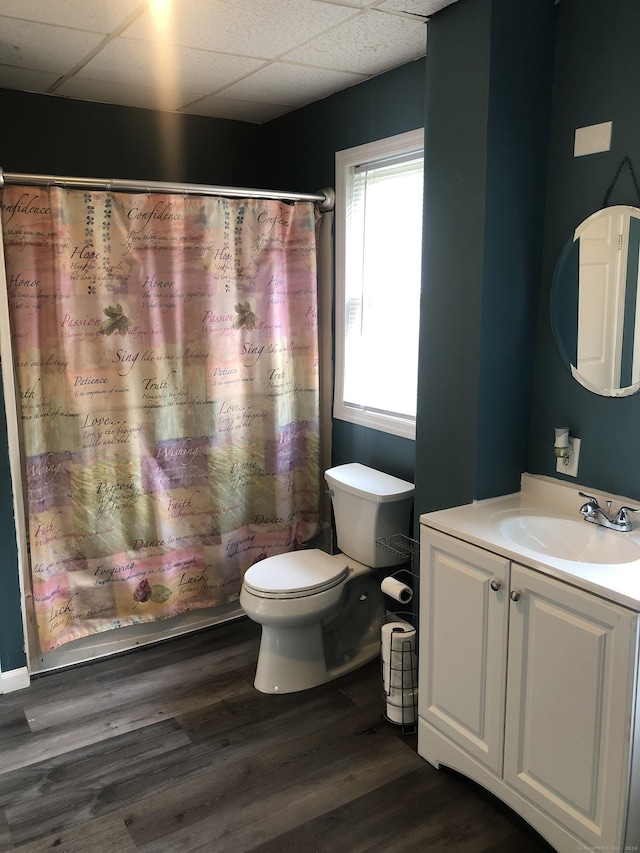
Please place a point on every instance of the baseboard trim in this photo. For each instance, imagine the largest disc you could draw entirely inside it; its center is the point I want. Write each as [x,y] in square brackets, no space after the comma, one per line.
[14,679]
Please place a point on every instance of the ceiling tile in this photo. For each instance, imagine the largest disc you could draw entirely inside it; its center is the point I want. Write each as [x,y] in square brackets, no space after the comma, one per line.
[101,16]
[256,112]
[383,39]
[415,7]
[25,79]
[172,67]
[354,4]
[295,85]
[261,28]
[43,47]
[119,93]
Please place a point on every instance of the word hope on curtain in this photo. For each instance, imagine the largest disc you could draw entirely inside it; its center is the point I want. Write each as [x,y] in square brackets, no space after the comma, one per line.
[166,357]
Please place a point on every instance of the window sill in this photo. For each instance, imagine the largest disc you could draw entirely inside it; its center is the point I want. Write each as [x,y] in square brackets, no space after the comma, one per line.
[402,427]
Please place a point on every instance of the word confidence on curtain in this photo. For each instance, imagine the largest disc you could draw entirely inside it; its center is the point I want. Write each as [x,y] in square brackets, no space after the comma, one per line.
[167,362]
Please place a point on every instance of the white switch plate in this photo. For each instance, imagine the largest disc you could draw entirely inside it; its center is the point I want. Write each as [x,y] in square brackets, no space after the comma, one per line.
[571,468]
[592,139]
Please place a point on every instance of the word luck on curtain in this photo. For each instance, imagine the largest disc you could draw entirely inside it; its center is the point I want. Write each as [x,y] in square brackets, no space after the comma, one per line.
[166,356]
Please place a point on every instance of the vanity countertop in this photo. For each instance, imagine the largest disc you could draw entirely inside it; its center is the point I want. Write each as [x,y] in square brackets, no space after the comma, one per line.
[482,523]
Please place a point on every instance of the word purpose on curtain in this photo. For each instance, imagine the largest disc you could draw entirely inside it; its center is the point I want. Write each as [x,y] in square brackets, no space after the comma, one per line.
[166,357]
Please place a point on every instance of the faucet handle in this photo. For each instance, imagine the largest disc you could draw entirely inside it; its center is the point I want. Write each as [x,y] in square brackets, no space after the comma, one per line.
[622,516]
[590,505]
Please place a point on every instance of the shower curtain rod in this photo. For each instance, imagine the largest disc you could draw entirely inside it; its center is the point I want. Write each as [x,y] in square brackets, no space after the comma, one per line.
[325,199]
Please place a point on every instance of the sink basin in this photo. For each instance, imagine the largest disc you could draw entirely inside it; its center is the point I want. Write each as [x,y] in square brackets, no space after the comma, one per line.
[566,539]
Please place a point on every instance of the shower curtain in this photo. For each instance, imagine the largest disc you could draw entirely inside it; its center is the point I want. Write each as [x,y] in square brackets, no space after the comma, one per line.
[166,356]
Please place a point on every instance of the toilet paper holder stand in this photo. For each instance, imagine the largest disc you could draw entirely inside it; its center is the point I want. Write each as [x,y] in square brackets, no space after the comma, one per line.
[399,671]
[401,546]
[408,550]
[400,664]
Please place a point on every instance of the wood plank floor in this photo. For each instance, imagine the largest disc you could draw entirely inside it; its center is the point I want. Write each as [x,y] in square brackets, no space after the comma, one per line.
[170,749]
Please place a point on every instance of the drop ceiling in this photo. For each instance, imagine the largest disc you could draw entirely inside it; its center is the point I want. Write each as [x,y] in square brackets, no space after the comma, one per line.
[248,60]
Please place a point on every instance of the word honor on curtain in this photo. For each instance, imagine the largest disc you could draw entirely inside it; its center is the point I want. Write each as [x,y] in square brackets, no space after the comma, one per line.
[167,362]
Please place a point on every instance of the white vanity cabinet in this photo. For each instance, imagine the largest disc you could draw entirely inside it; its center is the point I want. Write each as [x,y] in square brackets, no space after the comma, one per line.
[527,684]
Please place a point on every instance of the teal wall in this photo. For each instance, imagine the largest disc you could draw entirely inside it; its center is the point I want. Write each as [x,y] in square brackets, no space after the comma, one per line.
[11,650]
[489,74]
[299,148]
[597,78]
[58,136]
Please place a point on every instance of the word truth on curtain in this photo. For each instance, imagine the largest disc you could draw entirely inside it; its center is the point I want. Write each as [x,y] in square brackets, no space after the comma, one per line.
[166,356]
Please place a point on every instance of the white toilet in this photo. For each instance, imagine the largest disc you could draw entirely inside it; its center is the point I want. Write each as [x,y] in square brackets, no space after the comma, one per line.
[321,614]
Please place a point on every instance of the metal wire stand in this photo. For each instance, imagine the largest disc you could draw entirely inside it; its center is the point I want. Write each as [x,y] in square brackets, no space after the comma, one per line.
[399,662]
[401,546]
[400,677]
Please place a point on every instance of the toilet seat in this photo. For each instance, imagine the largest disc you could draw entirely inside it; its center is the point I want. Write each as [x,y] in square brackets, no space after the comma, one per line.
[295,574]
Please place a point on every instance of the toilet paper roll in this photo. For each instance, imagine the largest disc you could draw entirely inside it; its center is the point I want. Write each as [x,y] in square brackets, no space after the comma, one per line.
[402,696]
[400,677]
[404,714]
[396,590]
[399,636]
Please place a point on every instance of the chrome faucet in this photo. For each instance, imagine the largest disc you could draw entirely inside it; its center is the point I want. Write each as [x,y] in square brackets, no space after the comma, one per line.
[593,512]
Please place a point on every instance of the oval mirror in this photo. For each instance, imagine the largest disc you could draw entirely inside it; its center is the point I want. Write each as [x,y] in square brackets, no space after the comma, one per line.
[595,314]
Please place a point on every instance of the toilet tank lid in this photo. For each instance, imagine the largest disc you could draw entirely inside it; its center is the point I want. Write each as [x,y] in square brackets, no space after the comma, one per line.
[368,483]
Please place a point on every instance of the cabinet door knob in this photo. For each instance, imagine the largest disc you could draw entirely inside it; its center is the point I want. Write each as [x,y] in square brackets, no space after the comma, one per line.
[515,595]
[495,585]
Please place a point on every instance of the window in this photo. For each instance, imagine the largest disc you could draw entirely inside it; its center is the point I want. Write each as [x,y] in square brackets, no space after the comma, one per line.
[379,190]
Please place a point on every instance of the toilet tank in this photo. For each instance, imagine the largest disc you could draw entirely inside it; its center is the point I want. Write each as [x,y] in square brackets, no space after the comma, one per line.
[368,505]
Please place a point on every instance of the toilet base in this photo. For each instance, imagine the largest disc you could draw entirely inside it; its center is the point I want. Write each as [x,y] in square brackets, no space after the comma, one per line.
[293,659]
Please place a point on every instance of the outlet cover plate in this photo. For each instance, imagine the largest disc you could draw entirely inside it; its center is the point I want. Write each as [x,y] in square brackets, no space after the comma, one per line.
[592,139]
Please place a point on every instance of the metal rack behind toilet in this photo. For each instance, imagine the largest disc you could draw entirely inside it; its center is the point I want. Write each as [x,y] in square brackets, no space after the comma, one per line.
[399,642]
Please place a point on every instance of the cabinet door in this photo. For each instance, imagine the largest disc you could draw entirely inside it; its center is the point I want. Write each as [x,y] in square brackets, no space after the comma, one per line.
[569,704]
[463,643]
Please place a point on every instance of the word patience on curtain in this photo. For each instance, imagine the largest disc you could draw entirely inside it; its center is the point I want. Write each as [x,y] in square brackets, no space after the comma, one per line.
[167,361]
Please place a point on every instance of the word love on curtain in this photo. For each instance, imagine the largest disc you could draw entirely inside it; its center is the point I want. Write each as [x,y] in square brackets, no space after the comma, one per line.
[166,356]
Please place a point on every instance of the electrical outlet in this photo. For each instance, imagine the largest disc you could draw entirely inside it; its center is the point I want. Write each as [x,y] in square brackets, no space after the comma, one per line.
[570,467]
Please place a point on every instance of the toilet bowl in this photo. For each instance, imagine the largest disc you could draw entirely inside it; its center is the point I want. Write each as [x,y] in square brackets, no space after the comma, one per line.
[321,614]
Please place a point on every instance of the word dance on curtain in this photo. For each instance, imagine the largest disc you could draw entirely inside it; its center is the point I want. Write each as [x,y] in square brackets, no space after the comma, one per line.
[166,357]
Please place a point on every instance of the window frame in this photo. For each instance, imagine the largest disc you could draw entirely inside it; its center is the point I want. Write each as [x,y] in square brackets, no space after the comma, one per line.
[345,162]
